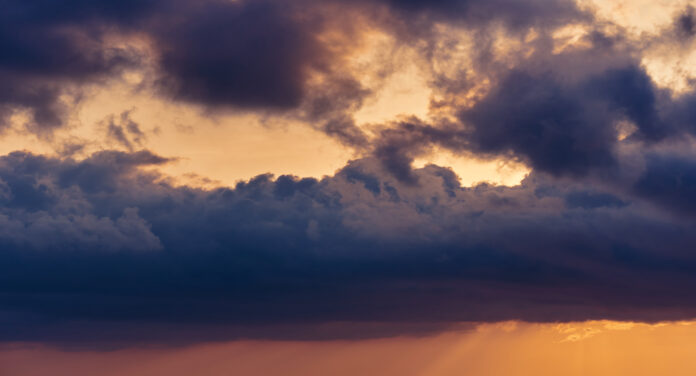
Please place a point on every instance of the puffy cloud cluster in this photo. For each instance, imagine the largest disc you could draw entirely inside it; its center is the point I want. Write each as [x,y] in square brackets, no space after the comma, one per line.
[260,55]
[105,243]
[601,228]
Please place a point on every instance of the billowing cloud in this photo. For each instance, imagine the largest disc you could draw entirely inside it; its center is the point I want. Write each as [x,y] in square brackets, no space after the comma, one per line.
[260,55]
[45,56]
[600,229]
[247,54]
[119,247]
[561,129]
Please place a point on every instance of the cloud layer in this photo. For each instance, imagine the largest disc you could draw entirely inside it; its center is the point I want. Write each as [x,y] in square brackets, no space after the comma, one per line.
[105,248]
[103,242]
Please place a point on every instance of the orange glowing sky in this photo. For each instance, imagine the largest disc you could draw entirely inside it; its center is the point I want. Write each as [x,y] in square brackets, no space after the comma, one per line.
[582,349]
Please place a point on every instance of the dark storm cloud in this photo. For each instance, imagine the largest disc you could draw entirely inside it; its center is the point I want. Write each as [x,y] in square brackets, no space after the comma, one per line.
[566,113]
[101,249]
[554,128]
[551,124]
[221,54]
[671,182]
[685,24]
[236,54]
[260,55]
[560,128]
[592,200]
[512,13]
[106,246]
[48,45]
[252,54]
[248,54]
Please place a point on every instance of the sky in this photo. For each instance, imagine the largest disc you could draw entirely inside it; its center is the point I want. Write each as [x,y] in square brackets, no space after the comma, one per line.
[392,187]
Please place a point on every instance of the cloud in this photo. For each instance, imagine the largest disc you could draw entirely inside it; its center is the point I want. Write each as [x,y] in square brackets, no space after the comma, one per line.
[118,247]
[50,50]
[222,55]
[561,128]
[684,23]
[670,181]
[246,54]
[565,113]
[513,13]
[601,228]
[267,56]
[124,132]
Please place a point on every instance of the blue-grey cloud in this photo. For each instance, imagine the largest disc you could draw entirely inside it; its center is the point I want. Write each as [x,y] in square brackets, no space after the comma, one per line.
[106,244]
[251,55]
[105,249]
[49,46]
[564,129]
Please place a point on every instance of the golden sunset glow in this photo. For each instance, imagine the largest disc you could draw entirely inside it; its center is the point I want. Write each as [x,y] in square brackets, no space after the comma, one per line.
[591,348]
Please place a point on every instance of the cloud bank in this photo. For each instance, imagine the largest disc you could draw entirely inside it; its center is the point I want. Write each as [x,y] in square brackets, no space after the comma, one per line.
[102,241]
[105,248]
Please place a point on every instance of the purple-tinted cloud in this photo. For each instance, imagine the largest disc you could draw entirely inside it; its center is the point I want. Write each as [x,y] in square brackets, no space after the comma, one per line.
[360,246]
[601,228]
